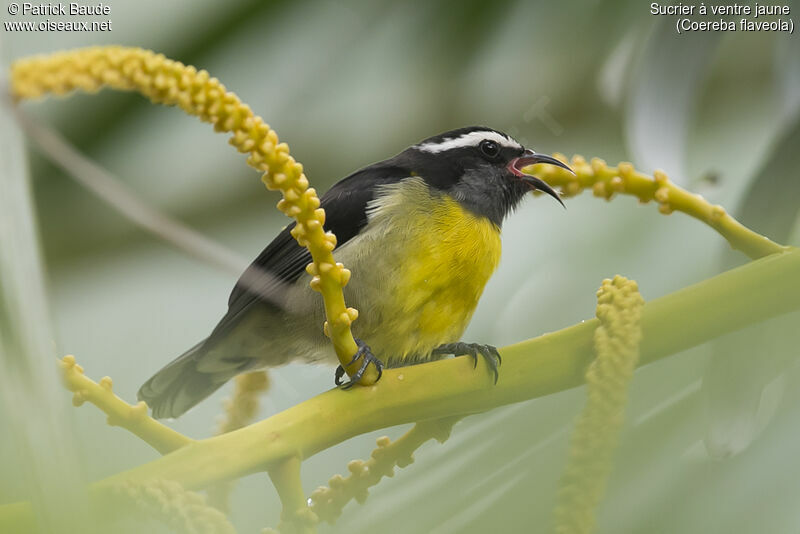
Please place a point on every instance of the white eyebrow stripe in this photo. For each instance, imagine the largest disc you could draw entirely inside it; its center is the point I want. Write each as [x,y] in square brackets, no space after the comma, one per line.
[467,140]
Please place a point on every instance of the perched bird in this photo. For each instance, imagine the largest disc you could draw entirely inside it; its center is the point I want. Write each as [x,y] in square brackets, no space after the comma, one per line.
[420,233]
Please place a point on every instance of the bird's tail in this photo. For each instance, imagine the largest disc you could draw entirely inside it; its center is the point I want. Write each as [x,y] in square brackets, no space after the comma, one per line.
[181,384]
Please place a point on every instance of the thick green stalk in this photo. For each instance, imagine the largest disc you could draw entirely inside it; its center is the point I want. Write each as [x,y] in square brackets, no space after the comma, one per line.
[553,362]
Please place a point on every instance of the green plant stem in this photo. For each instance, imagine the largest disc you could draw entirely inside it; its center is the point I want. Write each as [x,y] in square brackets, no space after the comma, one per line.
[295,517]
[553,362]
[132,418]
[760,290]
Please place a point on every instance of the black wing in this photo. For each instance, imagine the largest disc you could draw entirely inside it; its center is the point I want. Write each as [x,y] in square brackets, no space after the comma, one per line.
[283,261]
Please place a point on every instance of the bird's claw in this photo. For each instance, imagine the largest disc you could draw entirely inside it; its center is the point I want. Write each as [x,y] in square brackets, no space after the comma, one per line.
[489,353]
[366,352]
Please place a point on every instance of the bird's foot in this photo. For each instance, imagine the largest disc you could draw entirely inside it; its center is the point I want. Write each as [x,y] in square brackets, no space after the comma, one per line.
[366,352]
[489,353]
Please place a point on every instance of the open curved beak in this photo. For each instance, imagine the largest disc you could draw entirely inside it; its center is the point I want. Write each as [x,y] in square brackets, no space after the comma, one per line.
[530,157]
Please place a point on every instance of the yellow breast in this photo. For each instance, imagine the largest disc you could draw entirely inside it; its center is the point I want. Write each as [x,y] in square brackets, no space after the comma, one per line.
[436,260]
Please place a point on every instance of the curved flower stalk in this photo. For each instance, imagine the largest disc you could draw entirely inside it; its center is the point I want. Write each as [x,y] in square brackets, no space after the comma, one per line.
[328,502]
[172,83]
[132,418]
[616,343]
[605,182]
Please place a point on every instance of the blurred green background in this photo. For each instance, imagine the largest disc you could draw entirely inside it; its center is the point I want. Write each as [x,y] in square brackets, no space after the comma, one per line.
[711,435]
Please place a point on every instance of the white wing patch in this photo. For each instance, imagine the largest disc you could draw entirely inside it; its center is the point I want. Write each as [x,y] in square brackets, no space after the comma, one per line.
[467,140]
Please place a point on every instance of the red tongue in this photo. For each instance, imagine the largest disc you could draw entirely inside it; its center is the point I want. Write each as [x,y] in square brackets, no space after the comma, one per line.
[517,164]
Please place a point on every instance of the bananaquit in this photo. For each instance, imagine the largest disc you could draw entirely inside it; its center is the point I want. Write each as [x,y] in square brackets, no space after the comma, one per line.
[420,233]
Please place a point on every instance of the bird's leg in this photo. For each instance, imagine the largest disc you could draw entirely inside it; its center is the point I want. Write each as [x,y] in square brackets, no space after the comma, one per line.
[488,352]
[366,352]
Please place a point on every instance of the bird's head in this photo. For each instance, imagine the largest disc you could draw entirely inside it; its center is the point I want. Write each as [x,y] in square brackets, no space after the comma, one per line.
[479,167]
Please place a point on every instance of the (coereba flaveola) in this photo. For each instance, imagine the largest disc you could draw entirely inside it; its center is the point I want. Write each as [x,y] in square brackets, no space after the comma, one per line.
[420,233]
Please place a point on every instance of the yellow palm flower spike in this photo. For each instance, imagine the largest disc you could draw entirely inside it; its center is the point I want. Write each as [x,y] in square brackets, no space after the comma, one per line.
[172,83]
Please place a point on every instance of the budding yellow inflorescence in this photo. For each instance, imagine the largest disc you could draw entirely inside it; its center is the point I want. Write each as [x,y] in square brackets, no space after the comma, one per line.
[616,342]
[120,413]
[169,82]
[328,502]
[606,182]
[168,502]
[242,407]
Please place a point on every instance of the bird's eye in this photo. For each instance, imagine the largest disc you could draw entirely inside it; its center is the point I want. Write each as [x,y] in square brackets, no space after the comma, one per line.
[490,149]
